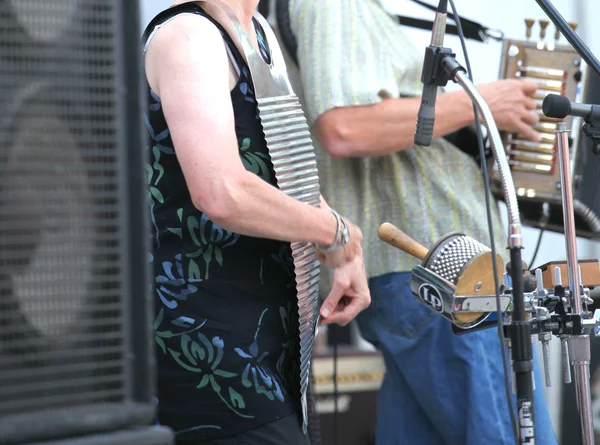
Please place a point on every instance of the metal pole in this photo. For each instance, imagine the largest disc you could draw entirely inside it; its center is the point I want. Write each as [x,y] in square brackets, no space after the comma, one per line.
[562,135]
[519,328]
[579,345]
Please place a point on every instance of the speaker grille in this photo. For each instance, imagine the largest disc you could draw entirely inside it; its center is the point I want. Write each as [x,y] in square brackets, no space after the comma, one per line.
[62,312]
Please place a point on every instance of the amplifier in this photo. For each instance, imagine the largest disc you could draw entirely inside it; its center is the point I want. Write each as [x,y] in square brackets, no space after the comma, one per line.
[359,376]
[76,350]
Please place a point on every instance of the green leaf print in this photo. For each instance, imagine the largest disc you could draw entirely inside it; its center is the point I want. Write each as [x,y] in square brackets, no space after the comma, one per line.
[203,382]
[245,144]
[191,349]
[193,224]
[236,399]
[219,255]
[159,168]
[161,343]
[149,174]
[214,384]
[224,374]
[207,353]
[245,377]
[194,271]
[165,334]
[159,319]
[157,194]
[219,344]
[196,254]
[210,240]
[208,346]
[253,162]
[207,255]
[177,356]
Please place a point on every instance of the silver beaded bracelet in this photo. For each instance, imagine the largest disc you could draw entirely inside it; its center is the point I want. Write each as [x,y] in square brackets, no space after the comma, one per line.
[342,235]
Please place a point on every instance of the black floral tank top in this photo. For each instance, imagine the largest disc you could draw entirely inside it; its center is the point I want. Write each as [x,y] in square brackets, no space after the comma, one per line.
[226,324]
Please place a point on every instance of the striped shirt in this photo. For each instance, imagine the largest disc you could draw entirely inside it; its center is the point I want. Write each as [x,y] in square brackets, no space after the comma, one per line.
[351,53]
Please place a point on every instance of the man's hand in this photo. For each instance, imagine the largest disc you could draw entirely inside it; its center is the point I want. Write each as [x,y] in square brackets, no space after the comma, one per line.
[349,294]
[512,106]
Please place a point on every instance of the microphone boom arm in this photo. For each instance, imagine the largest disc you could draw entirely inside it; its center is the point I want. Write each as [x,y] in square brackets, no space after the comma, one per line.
[508,186]
[519,330]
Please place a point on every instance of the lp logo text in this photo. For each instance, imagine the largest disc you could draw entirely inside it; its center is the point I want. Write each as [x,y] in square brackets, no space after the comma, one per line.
[431,297]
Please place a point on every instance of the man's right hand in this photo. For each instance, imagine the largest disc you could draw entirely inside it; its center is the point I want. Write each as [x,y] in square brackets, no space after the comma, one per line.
[512,106]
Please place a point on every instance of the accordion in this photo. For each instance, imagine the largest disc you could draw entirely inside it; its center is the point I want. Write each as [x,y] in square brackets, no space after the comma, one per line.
[557,69]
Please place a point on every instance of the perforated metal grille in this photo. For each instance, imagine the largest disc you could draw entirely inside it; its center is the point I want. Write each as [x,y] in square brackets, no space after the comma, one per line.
[453,254]
[61,306]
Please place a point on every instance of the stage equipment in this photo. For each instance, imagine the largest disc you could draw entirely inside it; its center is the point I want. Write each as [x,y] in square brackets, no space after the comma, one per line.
[460,269]
[550,309]
[75,326]
[143,436]
[562,311]
[439,67]
[569,419]
[578,341]
[359,376]
[557,69]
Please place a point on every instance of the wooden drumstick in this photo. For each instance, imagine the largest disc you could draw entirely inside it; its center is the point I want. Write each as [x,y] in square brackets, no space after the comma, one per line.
[395,237]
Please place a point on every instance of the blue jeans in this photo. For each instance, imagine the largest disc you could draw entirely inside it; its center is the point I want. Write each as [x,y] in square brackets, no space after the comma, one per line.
[439,388]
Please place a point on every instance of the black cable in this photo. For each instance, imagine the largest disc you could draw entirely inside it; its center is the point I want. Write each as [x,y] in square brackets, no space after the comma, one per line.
[537,248]
[314,423]
[335,392]
[569,34]
[484,171]
[264,8]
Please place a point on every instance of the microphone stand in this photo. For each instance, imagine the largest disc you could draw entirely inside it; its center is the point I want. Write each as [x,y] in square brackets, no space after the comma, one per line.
[578,344]
[442,66]
[519,330]
[439,67]
[578,351]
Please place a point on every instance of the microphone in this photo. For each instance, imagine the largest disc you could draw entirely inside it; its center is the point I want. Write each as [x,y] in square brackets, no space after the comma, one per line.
[529,281]
[426,115]
[560,107]
[524,267]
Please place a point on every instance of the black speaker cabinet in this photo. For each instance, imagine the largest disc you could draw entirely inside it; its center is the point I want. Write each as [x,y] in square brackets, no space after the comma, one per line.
[75,330]
[142,436]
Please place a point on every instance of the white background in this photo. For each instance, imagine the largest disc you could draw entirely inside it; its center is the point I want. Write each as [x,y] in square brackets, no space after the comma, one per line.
[507,16]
